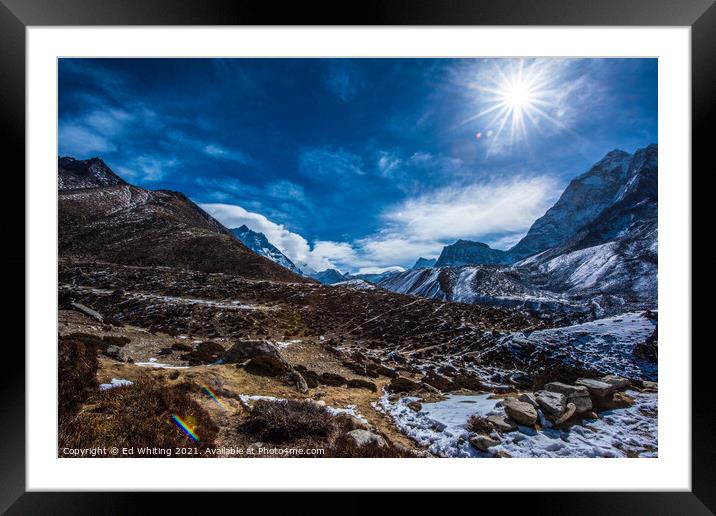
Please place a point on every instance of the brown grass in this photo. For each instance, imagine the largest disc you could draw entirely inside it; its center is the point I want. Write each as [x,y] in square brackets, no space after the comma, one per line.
[283,421]
[140,416]
[77,374]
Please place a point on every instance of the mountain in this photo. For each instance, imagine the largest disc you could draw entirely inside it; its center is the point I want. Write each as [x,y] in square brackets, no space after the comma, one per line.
[329,277]
[601,249]
[259,244]
[582,201]
[481,284]
[613,259]
[465,252]
[372,278]
[103,218]
[424,263]
[75,174]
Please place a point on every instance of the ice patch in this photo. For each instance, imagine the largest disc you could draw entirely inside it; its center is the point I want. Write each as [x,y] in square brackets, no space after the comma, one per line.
[116,382]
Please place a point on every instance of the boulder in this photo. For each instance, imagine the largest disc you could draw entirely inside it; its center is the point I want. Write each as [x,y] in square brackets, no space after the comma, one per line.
[528,397]
[299,381]
[267,365]
[596,387]
[415,406]
[648,386]
[362,384]
[332,379]
[483,442]
[577,394]
[617,382]
[363,438]
[243,350]
[350,422]
[521,412]
[553,404]
[502,423]
[569,412]
[402,384]
[114,352]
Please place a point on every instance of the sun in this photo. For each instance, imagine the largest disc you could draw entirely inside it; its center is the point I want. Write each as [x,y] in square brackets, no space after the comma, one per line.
[514,96]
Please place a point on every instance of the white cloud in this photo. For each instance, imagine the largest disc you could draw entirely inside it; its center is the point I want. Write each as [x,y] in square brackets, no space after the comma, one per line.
[498,213]
[380,270]
[147,168]
[291,244]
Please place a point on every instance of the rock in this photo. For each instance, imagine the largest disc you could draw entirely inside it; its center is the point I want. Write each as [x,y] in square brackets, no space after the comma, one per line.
[386,371]
[577,394]
[502,423]
[483,442]
[363,438]
[523,413]
[569,412]
[415,406]
[267,365]
[362,384]
[114,352]
[88,311]
[350,422]
[617,382]
[596,387]
[430,388]
[621,400]
[438,381]
[648,386]
[299,381]
[402,384]
[246,349]
[332,379]
[528,397]
[521,379]
[553,404]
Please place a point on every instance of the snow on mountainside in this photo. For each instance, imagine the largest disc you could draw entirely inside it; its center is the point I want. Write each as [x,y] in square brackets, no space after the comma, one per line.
[582,201]
[329,277]
[424,263]
[465,252]
[259,244]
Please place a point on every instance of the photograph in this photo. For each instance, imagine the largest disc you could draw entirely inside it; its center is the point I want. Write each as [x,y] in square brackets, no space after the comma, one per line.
[357,257]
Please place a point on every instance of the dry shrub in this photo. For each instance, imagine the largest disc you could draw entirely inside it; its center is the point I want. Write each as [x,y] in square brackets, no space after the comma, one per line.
[286,420]
[267,365]
[205,353]
[139,415]
[345,447]
[77,374]
[362,384]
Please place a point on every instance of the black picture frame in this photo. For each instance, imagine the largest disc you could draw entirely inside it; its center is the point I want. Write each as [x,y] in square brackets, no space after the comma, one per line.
[17,15]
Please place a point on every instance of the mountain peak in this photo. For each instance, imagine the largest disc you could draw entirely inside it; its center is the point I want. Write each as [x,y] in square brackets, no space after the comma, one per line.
[466,252]
[74,174]
[259,244]
[424,263]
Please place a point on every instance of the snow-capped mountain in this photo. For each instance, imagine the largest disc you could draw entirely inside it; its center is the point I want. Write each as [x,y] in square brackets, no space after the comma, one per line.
[329,277]
[424,263]
[582,201]
[595,248]
[259,244]
[465,252]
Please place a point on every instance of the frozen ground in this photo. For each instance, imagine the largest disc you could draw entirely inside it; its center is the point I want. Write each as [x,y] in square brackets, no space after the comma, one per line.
[440,426]
[604,344]
[116,382]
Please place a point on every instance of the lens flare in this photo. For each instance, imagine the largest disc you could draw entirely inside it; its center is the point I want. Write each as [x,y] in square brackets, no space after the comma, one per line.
[185,427]
[214,397]
[515,96]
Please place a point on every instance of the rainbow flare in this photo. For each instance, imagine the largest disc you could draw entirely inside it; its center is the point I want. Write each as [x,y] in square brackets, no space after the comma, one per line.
[187,430]
[214,397]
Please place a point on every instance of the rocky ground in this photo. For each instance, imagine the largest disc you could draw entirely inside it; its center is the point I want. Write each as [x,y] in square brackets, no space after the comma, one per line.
[350,370]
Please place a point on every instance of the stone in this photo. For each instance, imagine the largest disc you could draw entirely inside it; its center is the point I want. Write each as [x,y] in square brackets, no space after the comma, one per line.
[362,384]
[114,352]
[553,404]
[648,386]
[596,387]
[528,397]
[350,422]
[402,384]
[577,394]
[621,400]
[243,350]
[267,365]
[521,412]
[617,382]
[299,381]
[415,406]
[88,311]
[502,424]
[363,438]
[569,412]
[483,442]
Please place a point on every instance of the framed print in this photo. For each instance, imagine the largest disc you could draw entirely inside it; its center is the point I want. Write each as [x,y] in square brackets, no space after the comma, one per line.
[430,248]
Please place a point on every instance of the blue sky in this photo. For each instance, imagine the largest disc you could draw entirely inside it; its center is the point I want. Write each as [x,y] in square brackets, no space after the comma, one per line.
[359,164]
